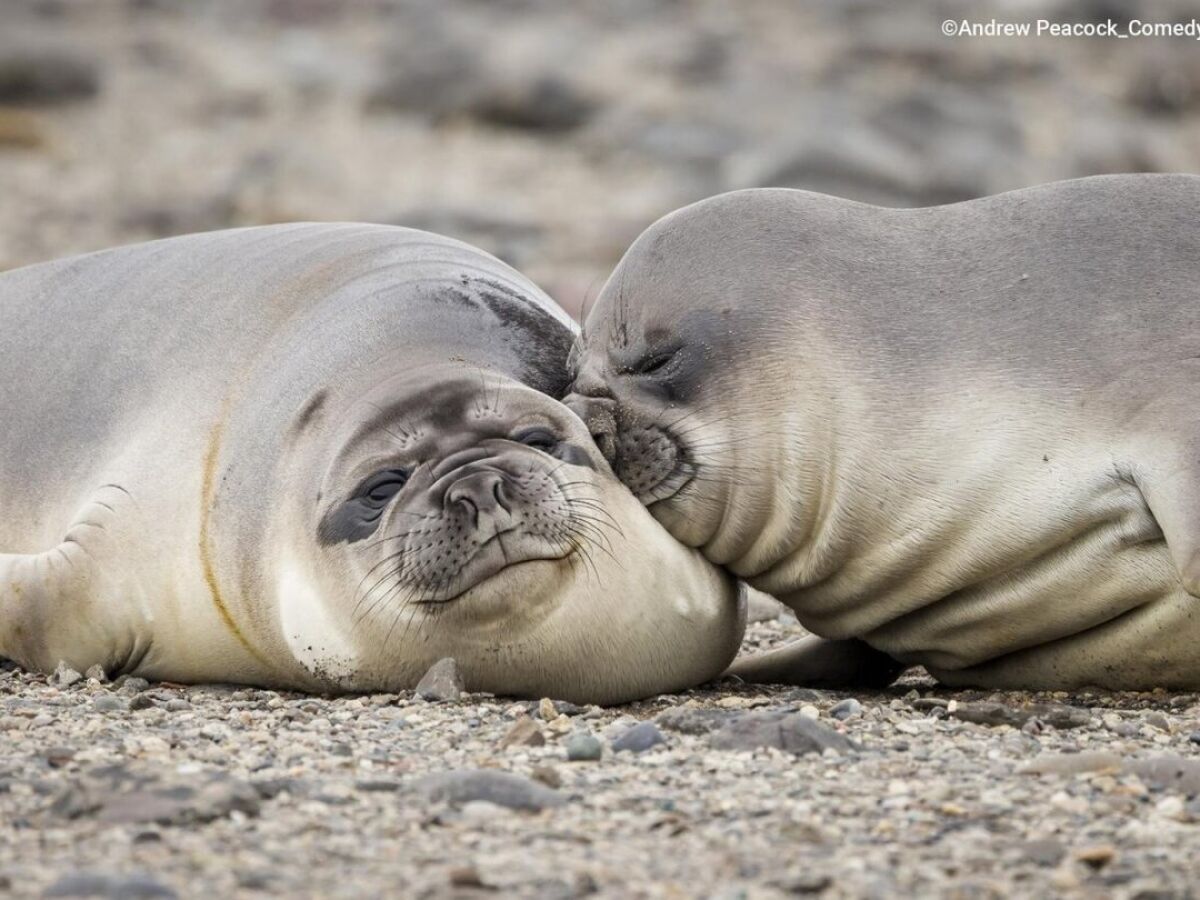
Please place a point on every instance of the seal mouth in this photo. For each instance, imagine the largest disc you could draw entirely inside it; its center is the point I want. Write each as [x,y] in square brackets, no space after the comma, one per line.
[653,463]
[493,558]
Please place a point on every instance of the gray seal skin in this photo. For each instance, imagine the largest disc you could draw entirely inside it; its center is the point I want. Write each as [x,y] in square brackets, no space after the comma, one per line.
[322,457]
[961,436]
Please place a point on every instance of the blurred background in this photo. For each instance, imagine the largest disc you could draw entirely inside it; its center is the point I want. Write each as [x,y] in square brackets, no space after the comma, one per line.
[551,133]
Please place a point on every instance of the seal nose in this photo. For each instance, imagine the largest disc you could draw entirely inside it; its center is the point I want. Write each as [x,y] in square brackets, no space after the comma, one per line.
[484,498]
[598,414]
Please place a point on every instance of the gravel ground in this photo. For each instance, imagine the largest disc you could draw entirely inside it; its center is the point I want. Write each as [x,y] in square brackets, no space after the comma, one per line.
[135,790]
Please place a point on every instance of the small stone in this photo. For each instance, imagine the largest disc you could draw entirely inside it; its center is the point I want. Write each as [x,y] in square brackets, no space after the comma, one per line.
[97,673]
[1168,772]
[639,738]
[57,757]
[783,731]
[465,876]
[1171,807]
[547,775]
[1159,721]
[1073,763]
[501,788]
[64,676]
[547,711]
[583,747]
[443,683]
[109,703]
[1097,856]
[524,733]
[1194,737]
[810,712]
[1046,852]
[847,709]
[133,685]
[805,883]
[177,704]
[142,701]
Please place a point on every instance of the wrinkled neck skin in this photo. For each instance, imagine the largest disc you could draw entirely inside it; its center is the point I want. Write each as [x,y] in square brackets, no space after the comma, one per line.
[769,500]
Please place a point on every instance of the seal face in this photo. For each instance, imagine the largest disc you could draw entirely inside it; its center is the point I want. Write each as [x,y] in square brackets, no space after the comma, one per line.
[324,457]
[959,434]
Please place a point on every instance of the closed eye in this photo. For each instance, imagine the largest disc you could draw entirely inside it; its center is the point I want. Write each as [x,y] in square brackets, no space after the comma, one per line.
[653,363]
[538,439]
[381,487]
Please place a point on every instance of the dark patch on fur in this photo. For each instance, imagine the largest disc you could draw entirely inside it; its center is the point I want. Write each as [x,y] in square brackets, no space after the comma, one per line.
[348,522]
[539,338]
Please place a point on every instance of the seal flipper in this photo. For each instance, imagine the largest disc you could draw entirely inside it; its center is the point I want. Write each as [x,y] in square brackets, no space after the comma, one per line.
[59,606]
[817,662]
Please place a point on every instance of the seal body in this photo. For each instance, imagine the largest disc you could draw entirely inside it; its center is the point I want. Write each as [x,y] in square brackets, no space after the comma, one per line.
[964,435]
[323,457]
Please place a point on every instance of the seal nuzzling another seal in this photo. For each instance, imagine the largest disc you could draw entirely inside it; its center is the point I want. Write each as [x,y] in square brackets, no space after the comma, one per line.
[323,457]
[962,436]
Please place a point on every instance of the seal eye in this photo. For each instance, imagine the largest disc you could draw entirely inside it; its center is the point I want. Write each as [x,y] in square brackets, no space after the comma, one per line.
[538,439]
[653,363]
[382,487]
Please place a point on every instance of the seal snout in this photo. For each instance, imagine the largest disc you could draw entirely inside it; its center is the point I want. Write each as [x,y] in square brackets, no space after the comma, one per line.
[483,499]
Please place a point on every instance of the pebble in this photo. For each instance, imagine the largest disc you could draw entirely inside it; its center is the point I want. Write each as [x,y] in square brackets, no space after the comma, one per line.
[583,747]
[64,676]
[109,703]
[96,673]
[524,733]
[846,709]
[443,683]
[1097,856]
[132,685]
[639,738]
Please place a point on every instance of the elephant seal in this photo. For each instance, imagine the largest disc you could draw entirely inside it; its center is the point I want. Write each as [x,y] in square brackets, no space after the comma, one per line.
[961,436]
[322,457]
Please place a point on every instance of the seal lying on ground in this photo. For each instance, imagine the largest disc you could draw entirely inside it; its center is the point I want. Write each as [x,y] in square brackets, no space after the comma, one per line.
[963,436]
[323,457]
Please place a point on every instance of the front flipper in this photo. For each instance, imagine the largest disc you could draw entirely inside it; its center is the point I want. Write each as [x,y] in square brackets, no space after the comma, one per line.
[63,604]
[816,662]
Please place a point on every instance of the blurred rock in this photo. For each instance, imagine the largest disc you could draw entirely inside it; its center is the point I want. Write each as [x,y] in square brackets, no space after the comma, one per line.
[501,788]
[39,75]
[793,732]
